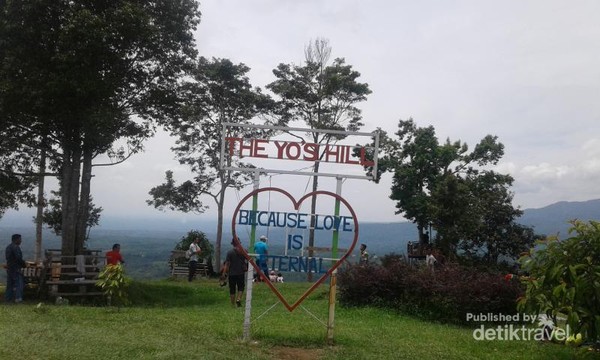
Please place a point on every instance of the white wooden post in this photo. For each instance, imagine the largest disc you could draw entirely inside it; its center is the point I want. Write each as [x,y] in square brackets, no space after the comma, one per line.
[250,274]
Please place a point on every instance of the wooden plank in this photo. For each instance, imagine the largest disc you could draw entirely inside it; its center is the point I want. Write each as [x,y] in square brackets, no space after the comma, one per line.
[64,266]
[87,275]
[70,282]
[94,293]
[322,249]
[202,269]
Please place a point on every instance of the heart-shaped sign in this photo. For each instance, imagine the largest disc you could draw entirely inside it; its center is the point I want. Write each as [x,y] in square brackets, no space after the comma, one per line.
[296,206]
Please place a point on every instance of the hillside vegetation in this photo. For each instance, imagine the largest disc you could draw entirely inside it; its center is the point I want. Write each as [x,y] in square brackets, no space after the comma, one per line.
[147,244]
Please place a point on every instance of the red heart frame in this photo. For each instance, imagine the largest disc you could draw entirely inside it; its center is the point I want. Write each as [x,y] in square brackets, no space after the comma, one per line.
[296,207]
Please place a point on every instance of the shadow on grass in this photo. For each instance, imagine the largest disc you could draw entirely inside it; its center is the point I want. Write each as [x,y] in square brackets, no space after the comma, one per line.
[151,293]
[168,294]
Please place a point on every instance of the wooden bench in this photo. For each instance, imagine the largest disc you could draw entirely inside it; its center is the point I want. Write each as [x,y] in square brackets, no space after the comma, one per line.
[183,270]
[179,265]
[32,274]
[64,277]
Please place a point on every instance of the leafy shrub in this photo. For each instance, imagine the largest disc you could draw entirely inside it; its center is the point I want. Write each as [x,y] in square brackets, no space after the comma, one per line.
[564,278]
[391,258]
[205,245]
[114,284]
[446,295]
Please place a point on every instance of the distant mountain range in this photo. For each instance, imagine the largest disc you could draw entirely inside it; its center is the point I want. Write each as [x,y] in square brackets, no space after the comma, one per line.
[554,219]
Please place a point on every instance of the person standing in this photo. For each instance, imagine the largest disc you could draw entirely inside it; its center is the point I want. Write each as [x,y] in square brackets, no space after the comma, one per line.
[14,276]
[262,250]
[235,266]
[114,256]
[430,259]
[195,251]
[364,255]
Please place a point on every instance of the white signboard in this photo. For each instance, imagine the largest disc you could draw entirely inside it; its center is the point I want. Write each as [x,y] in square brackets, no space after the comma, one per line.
[346,157]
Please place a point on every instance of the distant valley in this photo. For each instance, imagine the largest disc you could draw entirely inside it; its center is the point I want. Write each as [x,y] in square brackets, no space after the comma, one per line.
[147,243]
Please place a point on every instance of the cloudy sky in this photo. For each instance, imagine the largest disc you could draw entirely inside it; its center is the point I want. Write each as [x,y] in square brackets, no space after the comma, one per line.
[526,71]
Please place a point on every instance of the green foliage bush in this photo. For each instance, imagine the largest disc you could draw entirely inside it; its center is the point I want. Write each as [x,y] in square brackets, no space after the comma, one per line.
[563,277]
[391,258]
[114,284]
[205,245]
[446,294]
[208,250]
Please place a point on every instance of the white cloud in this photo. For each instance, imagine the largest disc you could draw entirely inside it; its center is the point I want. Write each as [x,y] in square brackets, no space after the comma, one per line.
[591,147]
[525,71]
[544,172]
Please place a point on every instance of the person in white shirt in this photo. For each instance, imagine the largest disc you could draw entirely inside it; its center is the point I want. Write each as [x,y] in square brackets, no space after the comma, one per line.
[430,260]
[364,255]
[195,251]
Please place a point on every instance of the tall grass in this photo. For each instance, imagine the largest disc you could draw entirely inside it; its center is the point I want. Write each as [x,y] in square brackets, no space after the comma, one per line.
[179,320]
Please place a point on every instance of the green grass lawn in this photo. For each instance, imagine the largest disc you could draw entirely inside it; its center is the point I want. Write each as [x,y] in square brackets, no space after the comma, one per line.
[178,320]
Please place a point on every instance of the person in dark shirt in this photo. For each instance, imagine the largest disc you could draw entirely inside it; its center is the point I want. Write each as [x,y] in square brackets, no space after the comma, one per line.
[236,266]
[14,274]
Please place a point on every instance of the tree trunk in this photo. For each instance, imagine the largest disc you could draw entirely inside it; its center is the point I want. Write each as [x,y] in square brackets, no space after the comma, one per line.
[70,197]
[493,254]
[40,209]
[84,202]
[422,241]
[313,210]
[219,241]
[444,242]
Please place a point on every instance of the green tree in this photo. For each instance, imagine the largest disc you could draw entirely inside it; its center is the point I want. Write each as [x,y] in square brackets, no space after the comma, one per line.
[77,78]
[14,190]
[208,251]
[448,187]
[23,166]
[321,96]
[219,92]
[416,168]
[52,216]
[563,277]
[488,223]
[17,167]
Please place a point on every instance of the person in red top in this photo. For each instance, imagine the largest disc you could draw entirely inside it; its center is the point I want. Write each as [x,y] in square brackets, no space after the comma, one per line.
[114,257]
